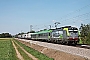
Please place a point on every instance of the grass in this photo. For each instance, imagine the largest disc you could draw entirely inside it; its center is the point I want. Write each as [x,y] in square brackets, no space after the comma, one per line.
[5,39]
[80,42]
[35,53]
[7,51]
[24,55]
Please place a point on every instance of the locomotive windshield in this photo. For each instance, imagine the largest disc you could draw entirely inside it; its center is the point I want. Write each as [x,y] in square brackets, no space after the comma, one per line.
[73,32]
[57,33]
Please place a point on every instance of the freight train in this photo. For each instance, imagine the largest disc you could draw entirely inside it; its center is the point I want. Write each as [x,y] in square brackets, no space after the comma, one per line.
[63,35]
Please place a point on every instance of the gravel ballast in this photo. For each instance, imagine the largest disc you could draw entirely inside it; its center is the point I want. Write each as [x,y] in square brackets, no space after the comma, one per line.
[85,53]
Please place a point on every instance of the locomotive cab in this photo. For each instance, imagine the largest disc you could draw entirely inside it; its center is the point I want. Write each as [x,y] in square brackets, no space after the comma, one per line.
[69,35]
[72,36]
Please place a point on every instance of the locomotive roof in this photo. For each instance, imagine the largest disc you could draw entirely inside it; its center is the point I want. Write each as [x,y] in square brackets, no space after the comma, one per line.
[69,27]
[44,31]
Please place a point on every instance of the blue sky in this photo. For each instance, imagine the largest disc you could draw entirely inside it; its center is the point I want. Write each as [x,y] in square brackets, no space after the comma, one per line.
[18,15]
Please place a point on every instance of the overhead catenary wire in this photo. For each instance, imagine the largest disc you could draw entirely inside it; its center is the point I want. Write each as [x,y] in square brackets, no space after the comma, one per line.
[79,16]
[72,18]
[78,10]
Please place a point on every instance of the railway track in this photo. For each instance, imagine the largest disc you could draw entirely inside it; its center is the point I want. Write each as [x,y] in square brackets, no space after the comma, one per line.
[86,46]
[83,46]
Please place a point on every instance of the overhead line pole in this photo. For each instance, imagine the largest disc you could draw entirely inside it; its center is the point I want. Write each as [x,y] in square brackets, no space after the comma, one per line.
[31,27]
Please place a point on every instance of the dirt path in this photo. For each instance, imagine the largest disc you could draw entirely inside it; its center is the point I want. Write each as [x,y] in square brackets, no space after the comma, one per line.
[31,56]
[17,52]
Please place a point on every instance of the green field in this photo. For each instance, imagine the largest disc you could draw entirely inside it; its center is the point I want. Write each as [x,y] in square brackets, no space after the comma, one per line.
[7,51]
[5,39]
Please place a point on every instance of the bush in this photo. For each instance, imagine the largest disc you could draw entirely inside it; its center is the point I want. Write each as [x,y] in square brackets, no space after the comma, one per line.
[5,35]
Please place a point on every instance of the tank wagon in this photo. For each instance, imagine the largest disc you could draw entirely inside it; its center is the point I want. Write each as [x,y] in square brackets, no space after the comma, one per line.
[63,35]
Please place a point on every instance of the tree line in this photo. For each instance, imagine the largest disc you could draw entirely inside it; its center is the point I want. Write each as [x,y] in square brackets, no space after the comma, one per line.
[5,35]
[85,33]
